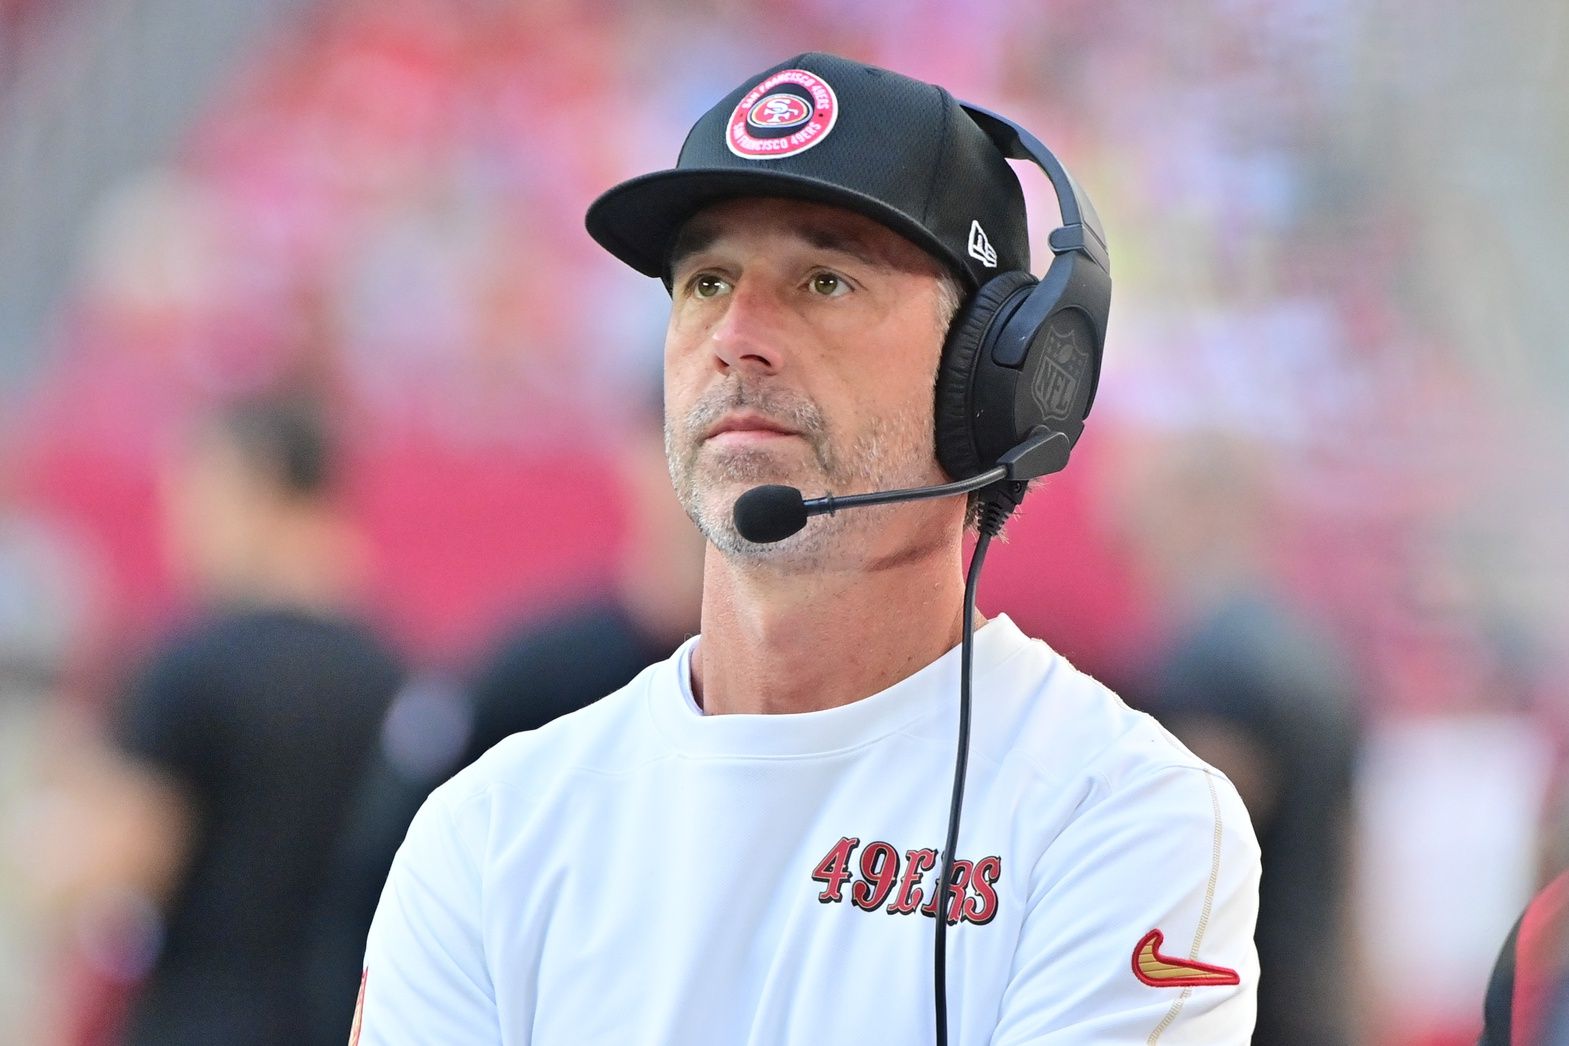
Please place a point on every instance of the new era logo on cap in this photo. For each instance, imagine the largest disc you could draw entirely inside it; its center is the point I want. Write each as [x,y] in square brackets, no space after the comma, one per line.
[981,248]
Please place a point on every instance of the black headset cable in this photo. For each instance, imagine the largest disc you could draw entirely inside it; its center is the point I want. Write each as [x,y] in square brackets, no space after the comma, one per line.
[996,506]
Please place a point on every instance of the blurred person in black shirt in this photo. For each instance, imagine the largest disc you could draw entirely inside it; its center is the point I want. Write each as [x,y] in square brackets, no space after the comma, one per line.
[216,805]
[1254,687]
[541,668]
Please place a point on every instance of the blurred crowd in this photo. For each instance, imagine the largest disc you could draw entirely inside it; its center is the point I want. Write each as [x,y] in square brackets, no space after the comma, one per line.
[344,463]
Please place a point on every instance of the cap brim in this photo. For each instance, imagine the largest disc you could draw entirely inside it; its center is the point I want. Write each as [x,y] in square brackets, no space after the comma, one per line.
[638,220]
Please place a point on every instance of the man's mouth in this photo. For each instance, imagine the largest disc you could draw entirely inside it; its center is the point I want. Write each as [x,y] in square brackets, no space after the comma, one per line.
[748,427]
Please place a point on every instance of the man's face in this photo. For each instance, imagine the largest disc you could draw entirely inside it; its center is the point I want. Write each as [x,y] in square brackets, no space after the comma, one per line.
[802,349]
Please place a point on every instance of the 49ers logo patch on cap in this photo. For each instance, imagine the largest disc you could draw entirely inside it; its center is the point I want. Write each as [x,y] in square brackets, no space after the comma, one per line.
[787,113]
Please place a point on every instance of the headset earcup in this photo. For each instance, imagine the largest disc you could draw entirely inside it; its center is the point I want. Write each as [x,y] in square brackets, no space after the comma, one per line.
[956,439]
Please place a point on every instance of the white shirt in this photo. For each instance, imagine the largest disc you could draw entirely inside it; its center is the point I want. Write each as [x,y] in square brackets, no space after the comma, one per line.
[640,873]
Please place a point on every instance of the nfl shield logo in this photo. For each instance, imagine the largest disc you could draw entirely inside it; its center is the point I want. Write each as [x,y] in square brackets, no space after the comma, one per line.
[1057,381]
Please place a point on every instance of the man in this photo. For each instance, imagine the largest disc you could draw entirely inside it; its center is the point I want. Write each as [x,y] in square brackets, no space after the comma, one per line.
[1249,682]
[215,804]
[740,846]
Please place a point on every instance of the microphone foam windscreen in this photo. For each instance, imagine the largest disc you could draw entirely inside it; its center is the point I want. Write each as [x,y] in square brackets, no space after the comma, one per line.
[767,514]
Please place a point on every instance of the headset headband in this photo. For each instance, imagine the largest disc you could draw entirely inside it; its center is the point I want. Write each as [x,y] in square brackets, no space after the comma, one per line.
[1081,228]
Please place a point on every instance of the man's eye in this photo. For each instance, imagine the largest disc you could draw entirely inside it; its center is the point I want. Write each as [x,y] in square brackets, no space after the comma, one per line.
[708,286]
[829,285]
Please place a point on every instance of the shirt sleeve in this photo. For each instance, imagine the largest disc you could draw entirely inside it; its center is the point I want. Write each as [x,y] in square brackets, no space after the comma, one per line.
[426,981]
[1140,924]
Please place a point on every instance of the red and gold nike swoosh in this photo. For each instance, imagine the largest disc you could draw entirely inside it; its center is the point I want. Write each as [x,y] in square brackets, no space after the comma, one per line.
[1162,971]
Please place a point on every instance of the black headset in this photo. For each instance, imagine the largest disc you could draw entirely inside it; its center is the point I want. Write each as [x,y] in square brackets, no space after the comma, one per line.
[1017,378]
[1023,355]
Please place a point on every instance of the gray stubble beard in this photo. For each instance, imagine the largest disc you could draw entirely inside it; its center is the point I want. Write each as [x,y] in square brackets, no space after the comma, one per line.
[870,464]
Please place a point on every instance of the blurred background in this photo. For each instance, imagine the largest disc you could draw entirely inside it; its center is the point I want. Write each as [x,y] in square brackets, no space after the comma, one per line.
[248,248]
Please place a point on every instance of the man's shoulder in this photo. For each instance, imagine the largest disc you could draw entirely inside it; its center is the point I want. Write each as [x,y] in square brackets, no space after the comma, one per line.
[1042,710]
[1098,777]
[610,735]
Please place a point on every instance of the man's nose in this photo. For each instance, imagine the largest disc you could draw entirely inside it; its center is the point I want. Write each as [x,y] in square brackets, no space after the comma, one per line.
[749,337]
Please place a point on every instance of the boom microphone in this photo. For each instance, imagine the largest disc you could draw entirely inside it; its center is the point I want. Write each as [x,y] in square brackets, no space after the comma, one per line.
[772,513]
[767,514]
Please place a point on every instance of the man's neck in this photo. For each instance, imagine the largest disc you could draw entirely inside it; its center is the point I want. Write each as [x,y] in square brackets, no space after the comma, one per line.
[779,641]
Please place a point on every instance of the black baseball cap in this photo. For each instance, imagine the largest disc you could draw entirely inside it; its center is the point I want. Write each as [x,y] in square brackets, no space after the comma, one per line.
[827,129]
